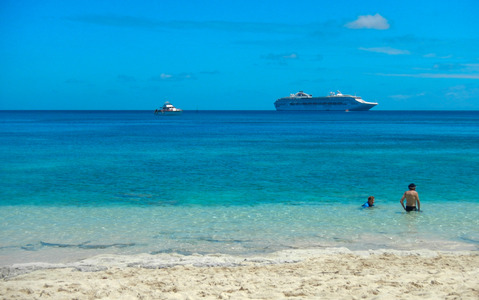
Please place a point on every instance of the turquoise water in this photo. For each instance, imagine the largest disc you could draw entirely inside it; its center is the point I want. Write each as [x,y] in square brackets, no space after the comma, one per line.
[80,183]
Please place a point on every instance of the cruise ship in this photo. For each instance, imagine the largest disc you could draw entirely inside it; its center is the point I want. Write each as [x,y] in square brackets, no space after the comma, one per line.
[335,101]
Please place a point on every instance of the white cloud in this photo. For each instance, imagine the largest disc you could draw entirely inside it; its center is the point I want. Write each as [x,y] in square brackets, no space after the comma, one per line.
[369,22]
[472,67]
[165,76]
[463,92]
[281,59]
[434,55]
[154,24]
[173,77]
[404,97]
[386,50]
[272,56]
[429,75]
[291,56]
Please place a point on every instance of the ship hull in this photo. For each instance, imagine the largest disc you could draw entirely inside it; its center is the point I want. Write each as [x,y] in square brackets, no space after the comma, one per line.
[171,113]
[322,104]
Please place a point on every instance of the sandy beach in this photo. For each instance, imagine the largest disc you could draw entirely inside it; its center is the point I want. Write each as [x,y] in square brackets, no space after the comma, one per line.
[295,274]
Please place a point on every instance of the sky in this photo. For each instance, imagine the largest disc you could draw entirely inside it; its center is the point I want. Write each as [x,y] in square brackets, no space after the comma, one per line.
[237,55]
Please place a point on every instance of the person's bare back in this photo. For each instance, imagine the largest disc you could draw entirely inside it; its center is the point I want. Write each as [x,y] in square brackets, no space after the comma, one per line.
[412,199]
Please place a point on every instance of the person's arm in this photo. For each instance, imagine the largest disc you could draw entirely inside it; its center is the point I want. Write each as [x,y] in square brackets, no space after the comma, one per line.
[418,203]
[402,201]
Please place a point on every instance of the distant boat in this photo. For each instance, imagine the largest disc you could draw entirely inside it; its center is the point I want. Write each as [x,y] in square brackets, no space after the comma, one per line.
[305,102]
[168,110]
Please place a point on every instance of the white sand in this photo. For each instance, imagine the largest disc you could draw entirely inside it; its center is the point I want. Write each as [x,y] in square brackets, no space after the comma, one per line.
[297,274]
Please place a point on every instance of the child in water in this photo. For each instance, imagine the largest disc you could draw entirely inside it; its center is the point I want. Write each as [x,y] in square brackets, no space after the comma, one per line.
[370,202]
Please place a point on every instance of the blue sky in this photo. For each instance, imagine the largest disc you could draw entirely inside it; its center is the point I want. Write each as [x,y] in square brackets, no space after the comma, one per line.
[406,55]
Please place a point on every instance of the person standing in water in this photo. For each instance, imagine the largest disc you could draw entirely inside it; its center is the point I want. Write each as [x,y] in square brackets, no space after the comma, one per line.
[412,199]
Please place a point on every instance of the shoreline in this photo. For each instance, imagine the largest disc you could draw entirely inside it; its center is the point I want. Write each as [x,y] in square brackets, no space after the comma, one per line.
[300,273]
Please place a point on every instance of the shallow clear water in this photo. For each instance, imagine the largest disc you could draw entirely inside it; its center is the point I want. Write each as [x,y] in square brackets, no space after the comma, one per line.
[80,183]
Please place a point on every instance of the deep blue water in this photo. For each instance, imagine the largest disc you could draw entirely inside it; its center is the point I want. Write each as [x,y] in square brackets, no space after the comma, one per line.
[235,157]
[235,163]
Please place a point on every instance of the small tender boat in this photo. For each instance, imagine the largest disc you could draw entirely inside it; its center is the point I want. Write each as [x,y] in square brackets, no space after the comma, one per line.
[168,110]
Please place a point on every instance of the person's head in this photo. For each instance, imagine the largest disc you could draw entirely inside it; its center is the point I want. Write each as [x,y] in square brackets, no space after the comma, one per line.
[371,200]
[412,186]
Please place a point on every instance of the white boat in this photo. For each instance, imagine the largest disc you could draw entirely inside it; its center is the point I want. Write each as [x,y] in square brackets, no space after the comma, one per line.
[335,101]
[168,109]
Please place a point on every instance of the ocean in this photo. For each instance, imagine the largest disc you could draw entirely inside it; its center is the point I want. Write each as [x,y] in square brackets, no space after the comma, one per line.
[74,184]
